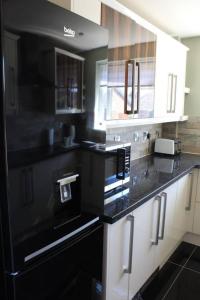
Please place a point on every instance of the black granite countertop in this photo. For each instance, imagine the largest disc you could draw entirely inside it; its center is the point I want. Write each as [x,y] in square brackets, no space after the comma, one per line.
[149,176]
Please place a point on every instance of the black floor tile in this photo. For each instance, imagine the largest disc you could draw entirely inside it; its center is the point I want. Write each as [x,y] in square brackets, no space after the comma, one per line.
[182,253]
[194,261]
[161,282]
[186,287]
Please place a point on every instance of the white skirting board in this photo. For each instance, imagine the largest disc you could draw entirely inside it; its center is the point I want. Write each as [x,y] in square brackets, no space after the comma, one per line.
[192,239]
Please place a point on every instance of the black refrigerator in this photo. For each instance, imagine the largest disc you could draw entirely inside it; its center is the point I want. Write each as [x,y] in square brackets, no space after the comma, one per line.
[50,248]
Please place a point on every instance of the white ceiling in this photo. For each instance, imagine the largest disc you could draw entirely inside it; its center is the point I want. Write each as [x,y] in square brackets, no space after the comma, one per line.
[179,18]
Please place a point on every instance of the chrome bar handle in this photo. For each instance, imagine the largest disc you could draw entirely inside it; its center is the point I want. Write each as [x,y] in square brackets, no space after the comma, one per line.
[126,110]
[174,90]
[189,206]
[158,198]
[129,269]
[163,195]
[136,111]
[169,93]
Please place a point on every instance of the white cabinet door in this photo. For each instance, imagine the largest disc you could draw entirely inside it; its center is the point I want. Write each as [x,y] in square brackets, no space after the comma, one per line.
[170,77]
[89,9]
[178,71]
[190,200]
[161,80]
[143,259]
[183,206]
[196,202]
[167,239]
[196,224]
[117,243]
[198,188]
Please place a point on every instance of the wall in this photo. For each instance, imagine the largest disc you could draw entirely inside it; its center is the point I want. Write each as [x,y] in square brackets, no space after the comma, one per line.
[141,147]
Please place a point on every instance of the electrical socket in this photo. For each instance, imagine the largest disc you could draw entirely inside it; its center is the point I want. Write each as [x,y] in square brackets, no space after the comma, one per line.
[117,138]
[145,135]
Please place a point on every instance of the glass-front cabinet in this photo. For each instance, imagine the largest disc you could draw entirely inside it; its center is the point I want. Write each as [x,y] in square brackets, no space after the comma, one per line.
[129,72]
[65,81]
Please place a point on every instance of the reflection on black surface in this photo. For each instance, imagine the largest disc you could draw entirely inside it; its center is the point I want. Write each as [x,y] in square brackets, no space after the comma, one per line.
[48,87]
[46,71]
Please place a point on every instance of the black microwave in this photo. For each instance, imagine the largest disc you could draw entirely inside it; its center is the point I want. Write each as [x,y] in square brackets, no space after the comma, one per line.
[106,172]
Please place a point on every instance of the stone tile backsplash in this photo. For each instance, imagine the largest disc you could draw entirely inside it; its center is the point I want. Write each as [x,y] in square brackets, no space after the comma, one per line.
[135,134]
[188,132]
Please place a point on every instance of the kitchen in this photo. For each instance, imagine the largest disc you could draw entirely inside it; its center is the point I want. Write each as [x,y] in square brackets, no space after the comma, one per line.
[100,152]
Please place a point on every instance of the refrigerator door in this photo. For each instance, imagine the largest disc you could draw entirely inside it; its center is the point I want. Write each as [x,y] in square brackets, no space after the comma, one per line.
[72,273]
[46,60]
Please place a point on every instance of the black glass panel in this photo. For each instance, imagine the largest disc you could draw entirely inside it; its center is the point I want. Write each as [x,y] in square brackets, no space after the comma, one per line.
[48,87]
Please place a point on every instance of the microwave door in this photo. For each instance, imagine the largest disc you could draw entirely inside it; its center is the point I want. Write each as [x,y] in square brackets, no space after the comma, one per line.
[123,164]
[117,169]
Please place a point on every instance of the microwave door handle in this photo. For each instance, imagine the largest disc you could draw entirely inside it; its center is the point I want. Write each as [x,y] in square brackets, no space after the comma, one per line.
[136,111]
[126,110]
[121,161]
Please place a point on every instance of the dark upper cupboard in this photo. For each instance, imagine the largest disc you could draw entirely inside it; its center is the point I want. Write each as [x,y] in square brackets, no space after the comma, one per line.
[130,68]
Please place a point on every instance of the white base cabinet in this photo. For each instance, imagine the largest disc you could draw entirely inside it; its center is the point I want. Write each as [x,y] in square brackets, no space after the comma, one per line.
[196,224]
[130,245]
[142,241]
[116,259]
[167,239]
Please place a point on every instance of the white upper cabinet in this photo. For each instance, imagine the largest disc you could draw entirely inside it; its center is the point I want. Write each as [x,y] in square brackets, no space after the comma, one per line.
[89,9]
[170,72]
[145,67]
[170,78]
[130,67]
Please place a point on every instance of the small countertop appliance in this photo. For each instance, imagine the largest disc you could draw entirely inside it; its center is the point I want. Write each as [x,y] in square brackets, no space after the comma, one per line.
[167,146]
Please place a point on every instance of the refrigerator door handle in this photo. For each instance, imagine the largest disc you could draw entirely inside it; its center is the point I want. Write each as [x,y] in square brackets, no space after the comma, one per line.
[59,241]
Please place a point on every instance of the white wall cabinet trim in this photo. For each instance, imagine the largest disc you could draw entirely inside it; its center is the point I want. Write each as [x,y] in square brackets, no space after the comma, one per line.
[134,122]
